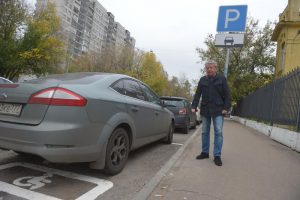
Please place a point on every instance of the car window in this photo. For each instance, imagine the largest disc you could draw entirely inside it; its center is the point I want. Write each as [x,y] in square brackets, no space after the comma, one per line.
[119,86]
[185,104]
[151,96]
[133,89]
[188,104]
[176,103]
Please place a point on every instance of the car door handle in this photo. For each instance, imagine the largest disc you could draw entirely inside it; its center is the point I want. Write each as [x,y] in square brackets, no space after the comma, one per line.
[135,108]
[156,113]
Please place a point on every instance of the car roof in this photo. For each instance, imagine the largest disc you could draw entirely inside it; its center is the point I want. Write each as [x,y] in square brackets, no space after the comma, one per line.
[173,98]
[6,79]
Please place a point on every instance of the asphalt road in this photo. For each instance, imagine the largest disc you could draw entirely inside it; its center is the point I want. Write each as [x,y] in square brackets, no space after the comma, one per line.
[30,177]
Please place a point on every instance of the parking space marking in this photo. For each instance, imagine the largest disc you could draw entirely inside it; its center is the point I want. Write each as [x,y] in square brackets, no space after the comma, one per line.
[101,185]
[27,194]
[177,144]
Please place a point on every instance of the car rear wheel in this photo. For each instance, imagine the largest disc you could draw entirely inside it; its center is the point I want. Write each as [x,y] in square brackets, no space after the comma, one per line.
[169,138]
[195,124]
[187,127]
[117,152]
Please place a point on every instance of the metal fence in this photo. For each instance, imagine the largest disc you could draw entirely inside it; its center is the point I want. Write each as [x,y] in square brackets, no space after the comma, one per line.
[275,103]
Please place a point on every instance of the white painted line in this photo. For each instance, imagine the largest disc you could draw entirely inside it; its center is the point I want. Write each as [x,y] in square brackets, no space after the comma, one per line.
[177,144]
[102,185]
[27,194]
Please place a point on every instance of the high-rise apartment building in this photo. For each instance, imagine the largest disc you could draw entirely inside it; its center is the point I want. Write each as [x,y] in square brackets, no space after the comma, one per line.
[87,26]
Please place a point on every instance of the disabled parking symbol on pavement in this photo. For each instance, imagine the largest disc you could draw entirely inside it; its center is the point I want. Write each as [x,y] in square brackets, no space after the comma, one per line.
[28,181]
[34,182]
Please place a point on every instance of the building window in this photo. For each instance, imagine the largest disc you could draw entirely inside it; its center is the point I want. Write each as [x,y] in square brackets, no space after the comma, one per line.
[282,57]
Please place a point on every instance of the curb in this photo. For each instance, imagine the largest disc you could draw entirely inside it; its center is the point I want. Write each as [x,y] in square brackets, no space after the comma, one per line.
[286,137]
[151,185]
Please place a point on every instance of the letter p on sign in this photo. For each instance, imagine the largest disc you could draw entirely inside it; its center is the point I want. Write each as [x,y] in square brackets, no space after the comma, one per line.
[232,18]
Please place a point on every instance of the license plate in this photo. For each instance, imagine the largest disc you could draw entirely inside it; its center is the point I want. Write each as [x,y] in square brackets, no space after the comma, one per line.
[10,109]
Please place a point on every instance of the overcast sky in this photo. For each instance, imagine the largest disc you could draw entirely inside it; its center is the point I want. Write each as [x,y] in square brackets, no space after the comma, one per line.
[174,28]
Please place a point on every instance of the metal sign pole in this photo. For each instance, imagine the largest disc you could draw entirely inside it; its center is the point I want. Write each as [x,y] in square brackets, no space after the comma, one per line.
[226,64]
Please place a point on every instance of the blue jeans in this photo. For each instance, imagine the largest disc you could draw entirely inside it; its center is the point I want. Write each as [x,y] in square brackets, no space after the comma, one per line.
[218,140]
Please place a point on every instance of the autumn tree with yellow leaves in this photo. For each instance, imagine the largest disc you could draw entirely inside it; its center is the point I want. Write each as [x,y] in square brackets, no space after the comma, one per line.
[29,42]
[139,64]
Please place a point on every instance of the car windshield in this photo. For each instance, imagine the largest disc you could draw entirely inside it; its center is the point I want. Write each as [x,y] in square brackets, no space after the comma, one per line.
[2,80]
[175,103]
[72,78]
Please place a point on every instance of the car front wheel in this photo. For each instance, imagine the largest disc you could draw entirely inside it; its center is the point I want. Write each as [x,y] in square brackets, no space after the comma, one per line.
[117,152]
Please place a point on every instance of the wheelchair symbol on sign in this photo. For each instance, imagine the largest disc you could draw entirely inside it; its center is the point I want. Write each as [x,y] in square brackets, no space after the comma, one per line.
[34,182]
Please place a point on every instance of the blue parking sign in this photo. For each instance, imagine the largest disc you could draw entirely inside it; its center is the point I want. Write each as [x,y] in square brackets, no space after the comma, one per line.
[232,18]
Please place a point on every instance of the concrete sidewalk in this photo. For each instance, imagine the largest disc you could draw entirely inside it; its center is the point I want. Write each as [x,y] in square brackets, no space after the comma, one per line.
[254,168]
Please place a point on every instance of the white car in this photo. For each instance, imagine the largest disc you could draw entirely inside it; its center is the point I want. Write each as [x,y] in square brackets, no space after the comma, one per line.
[4,80]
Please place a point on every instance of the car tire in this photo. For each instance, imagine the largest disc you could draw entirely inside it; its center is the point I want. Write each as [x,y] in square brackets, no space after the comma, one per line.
[187,127]
[195,124]
[198,122]
[169,138]
[117,151]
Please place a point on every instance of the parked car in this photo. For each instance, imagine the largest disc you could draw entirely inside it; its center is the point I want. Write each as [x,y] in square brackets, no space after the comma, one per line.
[4,80]
[82,117]
[182,110]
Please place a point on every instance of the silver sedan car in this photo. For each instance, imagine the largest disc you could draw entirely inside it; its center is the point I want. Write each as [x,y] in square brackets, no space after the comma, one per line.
[82,117]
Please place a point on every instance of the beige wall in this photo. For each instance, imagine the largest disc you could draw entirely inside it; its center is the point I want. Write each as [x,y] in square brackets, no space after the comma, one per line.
[288,42]
[290,56]
[293,8]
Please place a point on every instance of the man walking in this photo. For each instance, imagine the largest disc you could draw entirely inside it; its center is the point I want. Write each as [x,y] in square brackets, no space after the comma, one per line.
[215,103]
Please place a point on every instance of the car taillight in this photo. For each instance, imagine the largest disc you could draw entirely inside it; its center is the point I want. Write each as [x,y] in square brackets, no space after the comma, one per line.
[58,97]
[182,111]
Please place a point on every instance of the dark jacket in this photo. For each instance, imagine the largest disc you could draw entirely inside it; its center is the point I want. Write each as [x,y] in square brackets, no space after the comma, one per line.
[215,96]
